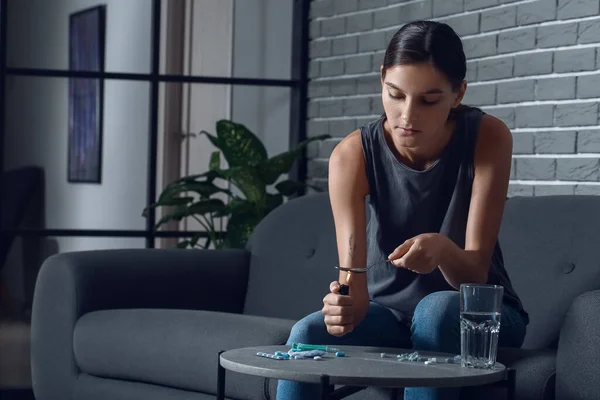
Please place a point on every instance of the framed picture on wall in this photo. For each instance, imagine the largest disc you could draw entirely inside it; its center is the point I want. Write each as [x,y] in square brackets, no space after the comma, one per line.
[86,95]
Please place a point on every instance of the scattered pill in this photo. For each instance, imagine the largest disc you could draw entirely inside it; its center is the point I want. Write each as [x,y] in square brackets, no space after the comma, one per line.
[318,358]
[272,356]
[340,354]
[414,356]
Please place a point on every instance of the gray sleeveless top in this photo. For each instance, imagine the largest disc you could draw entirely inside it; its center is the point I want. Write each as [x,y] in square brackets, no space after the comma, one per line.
[404,203]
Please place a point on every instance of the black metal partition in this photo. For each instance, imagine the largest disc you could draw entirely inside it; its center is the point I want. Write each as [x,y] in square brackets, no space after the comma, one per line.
[298,104]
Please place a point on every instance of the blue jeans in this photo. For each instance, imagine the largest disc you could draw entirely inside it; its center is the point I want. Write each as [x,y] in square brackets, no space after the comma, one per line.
[435,327]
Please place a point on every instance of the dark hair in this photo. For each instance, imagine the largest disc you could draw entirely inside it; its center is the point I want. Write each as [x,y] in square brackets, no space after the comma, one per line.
[428,42]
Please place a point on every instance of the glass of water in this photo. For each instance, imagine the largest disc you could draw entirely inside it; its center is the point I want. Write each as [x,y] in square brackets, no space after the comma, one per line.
[480,311]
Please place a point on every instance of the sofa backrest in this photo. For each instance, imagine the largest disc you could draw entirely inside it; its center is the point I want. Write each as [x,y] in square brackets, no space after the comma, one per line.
[550,247]
[293,258]
[552,254]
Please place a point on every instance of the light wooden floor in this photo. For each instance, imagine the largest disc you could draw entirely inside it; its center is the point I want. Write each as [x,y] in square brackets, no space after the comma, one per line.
[14,354]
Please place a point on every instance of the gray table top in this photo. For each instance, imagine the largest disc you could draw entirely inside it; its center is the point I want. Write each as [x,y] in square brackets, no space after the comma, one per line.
[361,366]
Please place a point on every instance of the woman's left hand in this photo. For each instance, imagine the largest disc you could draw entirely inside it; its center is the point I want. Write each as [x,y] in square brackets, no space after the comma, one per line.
[421,254]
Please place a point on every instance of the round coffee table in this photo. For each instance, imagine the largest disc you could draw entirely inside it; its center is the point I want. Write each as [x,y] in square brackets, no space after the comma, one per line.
[359,368]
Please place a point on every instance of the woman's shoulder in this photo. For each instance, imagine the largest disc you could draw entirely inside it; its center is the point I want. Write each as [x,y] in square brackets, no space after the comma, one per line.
[347,165]
[480,122]
[492,136]
[349,148]
[352,145]
[484,123]
[493,130]
[480,131]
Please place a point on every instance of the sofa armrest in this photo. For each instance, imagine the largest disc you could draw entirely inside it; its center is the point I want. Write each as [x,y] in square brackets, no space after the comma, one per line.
[577,368]
[72,284]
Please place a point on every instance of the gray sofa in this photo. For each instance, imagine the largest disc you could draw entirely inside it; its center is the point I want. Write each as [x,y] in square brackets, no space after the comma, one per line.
[148,324]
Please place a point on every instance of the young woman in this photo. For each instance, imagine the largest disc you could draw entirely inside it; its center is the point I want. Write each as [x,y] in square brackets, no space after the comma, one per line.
[435,175]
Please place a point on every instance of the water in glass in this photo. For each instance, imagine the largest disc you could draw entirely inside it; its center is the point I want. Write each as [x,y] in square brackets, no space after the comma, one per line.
[479,338]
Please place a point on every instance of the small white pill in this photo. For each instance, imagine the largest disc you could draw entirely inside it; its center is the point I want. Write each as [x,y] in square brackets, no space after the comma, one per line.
[317,357]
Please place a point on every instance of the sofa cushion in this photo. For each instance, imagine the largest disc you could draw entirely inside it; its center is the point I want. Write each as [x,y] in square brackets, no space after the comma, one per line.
[536,375]
[551,252]
[89,387]
[175,348]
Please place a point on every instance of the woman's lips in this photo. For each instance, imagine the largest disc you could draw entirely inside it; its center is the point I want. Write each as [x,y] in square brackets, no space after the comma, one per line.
[409,131]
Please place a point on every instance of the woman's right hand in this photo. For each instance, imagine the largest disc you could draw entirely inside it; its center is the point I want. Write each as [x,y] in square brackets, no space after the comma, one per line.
[339,311]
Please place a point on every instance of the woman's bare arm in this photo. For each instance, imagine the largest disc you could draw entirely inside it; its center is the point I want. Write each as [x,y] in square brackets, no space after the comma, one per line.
[493,155]
[348,187]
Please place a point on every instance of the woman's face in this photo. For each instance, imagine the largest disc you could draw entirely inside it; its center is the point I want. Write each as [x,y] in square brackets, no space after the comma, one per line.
[417,99]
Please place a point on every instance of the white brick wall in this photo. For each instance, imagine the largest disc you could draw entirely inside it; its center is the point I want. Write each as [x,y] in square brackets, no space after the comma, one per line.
[533,63]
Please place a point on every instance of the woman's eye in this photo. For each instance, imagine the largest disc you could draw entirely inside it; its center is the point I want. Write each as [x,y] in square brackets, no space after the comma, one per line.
[426,102]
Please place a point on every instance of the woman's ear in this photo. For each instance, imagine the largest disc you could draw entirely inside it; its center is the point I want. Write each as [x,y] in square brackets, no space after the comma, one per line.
[460,93]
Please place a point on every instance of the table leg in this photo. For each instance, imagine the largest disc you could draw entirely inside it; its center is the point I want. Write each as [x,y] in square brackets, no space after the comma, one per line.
[220,379]
[511,384]
[325,387]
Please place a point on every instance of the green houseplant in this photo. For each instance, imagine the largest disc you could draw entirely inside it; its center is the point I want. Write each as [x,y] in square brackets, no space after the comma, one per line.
[250,170]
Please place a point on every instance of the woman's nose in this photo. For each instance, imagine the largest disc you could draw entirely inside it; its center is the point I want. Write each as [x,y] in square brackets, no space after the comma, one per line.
[409,113]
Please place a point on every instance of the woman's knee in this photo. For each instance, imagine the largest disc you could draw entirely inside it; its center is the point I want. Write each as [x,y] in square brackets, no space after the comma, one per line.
[513,328]
[310,329]
[436,322]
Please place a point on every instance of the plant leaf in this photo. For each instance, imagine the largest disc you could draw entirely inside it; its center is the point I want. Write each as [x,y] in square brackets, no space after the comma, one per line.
[178,213]
[183,244]
[215,161]
[248,181]
[239,145]
[244,216]
[204,189]
[173,201]
[239,228]
[305,142]
[206,206]
[289,187]
[240,206]
[274,167]
[194,240]
[203,206]
[210,176]
[273,201]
